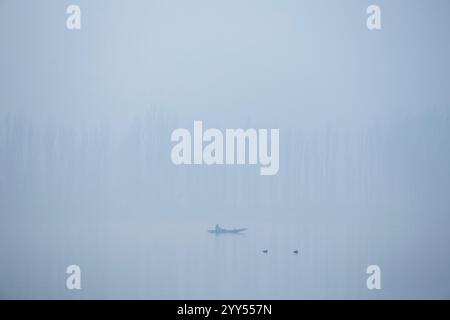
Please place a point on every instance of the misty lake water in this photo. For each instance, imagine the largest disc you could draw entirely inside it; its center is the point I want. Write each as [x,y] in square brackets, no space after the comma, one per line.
[183,261]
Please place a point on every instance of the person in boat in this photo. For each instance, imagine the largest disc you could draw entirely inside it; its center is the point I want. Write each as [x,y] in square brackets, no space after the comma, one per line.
[219,230]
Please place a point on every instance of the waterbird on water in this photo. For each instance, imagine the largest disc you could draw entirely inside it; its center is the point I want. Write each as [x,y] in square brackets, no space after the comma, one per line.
[265,251]
[295,251]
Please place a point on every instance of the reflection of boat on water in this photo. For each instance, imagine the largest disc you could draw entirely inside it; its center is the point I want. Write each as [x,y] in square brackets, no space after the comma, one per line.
[219,230]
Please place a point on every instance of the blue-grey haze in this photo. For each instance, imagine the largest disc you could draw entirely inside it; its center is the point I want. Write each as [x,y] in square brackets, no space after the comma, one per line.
[85,170]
